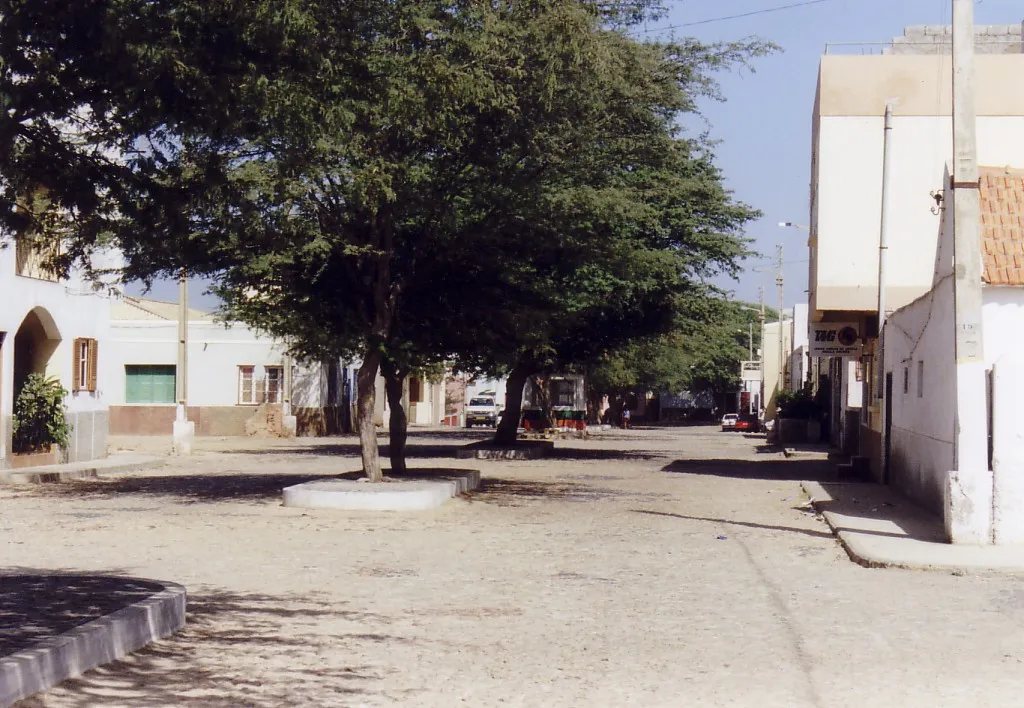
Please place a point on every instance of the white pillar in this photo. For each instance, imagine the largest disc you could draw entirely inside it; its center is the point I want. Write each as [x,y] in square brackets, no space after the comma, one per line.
[969,517]
[184,430]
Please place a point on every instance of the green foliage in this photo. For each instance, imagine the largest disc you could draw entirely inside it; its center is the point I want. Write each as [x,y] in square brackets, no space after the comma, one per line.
[500,184]
[798,404]
[40,418]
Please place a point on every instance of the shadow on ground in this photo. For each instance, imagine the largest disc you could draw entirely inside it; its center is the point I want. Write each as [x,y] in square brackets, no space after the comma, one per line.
[187,488]
[36,606]
[517,492]
[773,469]
[208,487]
[420,444]
[733,522]
[200,665]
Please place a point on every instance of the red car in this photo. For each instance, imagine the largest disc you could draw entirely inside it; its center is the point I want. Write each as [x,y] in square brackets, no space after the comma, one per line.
[747,423]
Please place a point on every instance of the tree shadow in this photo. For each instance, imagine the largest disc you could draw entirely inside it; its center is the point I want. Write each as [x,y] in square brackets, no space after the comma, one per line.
[40,605]
[733,522]
[210,487]
[585,454]
[185,488]
[215,659]
[518,492]
[793,470]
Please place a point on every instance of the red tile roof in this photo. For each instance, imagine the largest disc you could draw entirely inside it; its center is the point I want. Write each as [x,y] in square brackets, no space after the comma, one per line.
[1002,225]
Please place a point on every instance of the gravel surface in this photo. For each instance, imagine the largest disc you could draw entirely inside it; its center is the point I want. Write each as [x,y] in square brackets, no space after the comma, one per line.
[660,567]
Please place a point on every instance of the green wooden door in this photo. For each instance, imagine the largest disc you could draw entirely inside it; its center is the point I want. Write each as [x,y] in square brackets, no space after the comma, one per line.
[149,383]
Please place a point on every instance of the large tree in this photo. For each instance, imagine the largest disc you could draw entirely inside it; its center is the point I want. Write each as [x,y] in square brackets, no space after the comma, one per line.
[346,169]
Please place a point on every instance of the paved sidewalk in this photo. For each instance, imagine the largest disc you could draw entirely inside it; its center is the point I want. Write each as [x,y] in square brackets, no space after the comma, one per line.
[121,462]
[879,528]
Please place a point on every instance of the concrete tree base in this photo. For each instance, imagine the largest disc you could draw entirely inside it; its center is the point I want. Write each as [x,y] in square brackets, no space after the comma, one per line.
[522,450]
[51,661]
[408,494]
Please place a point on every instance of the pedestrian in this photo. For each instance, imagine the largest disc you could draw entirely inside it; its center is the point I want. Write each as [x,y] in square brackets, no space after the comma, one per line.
[625,418]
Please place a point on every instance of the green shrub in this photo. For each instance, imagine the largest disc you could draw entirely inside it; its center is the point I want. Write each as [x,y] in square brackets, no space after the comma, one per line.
[797,404]
[40,419]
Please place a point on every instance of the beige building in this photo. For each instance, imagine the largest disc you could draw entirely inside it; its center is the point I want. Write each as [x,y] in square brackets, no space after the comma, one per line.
[846,190]
[773,370]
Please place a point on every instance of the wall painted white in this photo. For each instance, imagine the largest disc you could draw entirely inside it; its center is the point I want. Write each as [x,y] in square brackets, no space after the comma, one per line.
[919,353]
[214,354]
[847,198]
[77,310]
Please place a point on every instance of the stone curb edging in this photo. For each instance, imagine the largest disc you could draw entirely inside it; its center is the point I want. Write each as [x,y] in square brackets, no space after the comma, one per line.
[904,538]
[54,474]
[106,639]
[398,495]
[523,450]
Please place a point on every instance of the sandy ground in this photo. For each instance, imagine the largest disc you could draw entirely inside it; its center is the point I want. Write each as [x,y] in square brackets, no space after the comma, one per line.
[662,567]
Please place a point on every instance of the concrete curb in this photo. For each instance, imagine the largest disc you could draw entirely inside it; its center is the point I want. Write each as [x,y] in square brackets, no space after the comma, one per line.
[397,495]
[85,647]
[50,474]
[897,534]
[523,450]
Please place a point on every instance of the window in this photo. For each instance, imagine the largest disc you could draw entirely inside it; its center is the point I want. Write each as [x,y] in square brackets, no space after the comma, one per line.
[149,384]
[246,385]
[84,372]
[920,379]
[415,390]
[253,391]
[563,393]
[274,387]
[906,379]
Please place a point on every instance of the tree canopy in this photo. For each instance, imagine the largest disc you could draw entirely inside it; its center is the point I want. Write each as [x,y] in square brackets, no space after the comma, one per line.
[501,185]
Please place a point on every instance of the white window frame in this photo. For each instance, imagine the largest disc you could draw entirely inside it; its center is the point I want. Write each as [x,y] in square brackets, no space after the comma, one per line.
[257,389]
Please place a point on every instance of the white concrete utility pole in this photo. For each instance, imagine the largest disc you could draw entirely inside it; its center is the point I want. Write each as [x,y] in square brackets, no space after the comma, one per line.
[883,229]
[779,285]
[184,430]
[969,518]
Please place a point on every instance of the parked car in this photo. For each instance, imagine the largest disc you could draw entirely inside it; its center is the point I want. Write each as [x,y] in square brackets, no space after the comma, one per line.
[748,423]
[483,410]
[729,421]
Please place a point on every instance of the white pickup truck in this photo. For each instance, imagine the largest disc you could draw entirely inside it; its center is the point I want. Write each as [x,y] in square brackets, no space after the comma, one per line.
[483,409]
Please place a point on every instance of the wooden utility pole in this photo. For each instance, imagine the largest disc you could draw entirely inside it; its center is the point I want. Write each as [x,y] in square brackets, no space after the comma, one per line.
[970,483]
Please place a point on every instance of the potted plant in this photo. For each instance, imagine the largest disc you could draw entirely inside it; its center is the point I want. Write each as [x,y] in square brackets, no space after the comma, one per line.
[40,418]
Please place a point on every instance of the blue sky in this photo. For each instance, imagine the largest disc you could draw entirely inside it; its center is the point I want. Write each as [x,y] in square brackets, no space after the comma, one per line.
[764,125]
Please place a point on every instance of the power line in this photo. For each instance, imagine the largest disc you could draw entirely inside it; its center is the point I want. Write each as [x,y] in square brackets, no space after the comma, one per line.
[743,14]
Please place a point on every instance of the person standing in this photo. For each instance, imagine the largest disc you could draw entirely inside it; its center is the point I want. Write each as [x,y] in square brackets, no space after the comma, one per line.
[625,418]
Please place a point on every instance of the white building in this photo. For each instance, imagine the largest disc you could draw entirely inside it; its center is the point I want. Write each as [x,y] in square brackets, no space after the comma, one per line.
[846,190]
[920,374]
[773,369]
[798,367]
[53,327]
[237,379]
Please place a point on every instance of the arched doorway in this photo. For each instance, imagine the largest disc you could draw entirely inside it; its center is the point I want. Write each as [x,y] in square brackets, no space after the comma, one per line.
[34,344]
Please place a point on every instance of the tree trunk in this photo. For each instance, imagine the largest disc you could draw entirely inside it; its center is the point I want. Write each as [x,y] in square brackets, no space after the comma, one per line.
[594,399]
[542,385]
[366,399]
[394,378]
[509,427]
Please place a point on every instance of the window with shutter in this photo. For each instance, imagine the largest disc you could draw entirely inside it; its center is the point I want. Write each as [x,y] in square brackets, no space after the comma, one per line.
[83,376]
[415,390]
[76,371]
[91,367]
[274,384]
